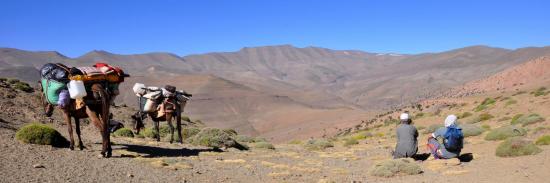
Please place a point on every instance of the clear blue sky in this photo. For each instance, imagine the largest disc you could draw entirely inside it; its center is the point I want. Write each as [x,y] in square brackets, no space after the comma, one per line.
[183,27]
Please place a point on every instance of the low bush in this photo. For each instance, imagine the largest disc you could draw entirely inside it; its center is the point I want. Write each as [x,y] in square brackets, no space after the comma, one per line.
[471,130]
[485,104]
[539,92]
[213,137]
[189,132]
[13,81]
[419,115]
[544,140]
[150,133]
[231,132]
[420,128]
[510,102]
[295,142]
[264,145]
[349,142]
[465,115]
[432,128]
[41,134]
[318,144]
[505,132]
[516,147]
[361,135]
[388,122]
[486,127]
[124,132]
[186,118]
[515,119]
[23,87]
[244,138]
[528,120]
[390,168]
[485,117]
[260,139]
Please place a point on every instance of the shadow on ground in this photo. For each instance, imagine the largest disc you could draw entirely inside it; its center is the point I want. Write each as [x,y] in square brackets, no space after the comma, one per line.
[466,157]
[151,151]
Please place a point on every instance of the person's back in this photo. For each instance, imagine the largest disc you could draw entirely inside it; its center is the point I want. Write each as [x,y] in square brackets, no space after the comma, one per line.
[439,144]
[407,144]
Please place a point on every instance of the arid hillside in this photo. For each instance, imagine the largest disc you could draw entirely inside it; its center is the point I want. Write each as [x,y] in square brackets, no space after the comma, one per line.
[266,90]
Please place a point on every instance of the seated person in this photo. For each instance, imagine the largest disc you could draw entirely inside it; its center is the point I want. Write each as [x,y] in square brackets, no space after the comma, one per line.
[446,142]
[407,134]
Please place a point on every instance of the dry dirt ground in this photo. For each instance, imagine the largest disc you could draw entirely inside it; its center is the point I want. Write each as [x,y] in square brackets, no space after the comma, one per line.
[143,160]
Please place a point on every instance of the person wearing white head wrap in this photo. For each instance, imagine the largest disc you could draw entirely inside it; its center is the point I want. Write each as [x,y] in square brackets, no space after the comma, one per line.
[407,134]
[450,120]
[437,147]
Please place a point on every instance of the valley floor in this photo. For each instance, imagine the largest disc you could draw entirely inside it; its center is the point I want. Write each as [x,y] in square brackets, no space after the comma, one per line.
[142,160]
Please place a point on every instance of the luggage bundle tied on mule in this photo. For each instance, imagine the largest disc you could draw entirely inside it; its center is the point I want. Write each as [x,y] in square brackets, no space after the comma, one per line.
[160,104]
[83,92]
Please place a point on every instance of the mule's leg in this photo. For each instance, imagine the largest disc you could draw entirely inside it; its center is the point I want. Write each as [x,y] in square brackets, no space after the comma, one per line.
[70,128]
[77,125]
[178,126]
[156,124]
[169,121]
[102,129]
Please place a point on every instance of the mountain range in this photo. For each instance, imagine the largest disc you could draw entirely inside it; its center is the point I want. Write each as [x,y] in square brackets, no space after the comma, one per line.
[284,92]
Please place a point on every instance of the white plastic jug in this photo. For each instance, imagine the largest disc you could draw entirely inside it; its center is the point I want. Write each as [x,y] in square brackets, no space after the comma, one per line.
[150,106]
[76,89]
[139,89]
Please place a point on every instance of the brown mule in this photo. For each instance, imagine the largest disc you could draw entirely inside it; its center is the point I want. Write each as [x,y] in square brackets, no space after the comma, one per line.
[98,112]
[172,110]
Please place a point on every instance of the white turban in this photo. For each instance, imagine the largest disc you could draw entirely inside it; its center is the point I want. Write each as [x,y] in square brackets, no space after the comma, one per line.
[404,116]
[450,120]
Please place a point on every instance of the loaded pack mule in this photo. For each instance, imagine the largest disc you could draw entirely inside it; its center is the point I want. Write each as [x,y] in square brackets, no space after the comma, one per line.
[160,104]
[84,92]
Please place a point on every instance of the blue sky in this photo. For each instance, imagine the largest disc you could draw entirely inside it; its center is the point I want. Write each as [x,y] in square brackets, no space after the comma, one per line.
[75,27]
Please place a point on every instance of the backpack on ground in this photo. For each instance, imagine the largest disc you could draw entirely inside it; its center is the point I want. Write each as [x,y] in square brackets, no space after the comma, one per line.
[453,138]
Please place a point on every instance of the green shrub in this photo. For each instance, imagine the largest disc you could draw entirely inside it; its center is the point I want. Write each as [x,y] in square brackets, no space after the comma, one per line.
[511,102]
[189,132]
[124,132]
[23,87]
[528,120]
[474,120]
[390,168]
[539,92]
[213,137]
[263,145]
[260,139]
[3,79]
[485,117]
[486,127]
[140,135]
[318,144]
[544,140]
[505,132]
[150,133]
[231,132]
[244,138]
[516,147]
[295,142]
[13,81]
[485,104]
[519,93]
[465,115]
[419,115]
[36,133]
[361,135]
[186,118]
[350,141]
[164,130]
[432,128]
[471,130]
[515,119]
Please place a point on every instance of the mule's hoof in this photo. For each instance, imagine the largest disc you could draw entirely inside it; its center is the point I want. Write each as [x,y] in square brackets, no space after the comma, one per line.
[71,148]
